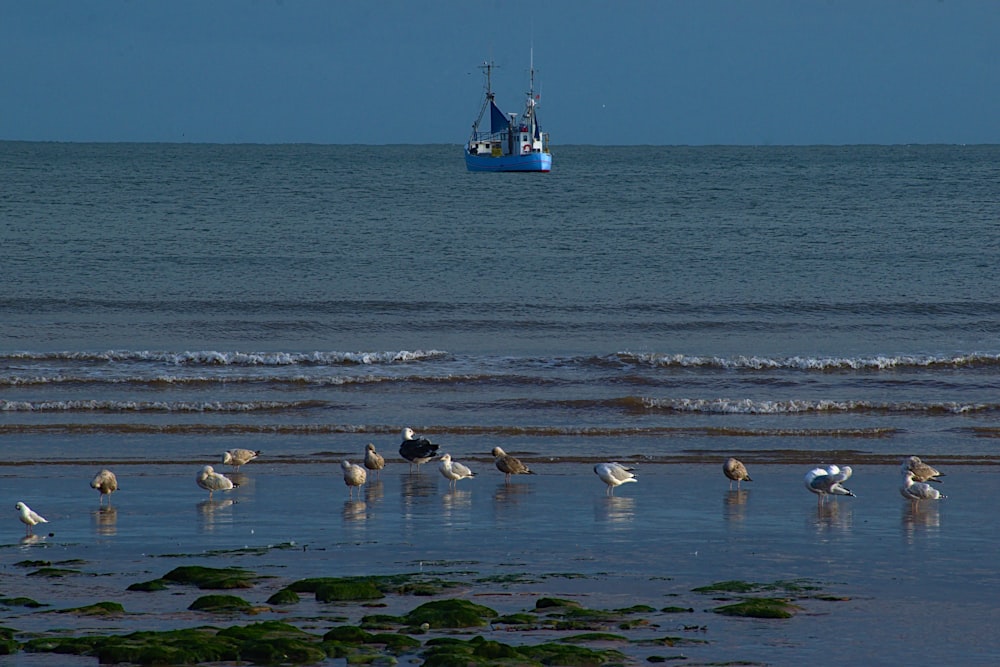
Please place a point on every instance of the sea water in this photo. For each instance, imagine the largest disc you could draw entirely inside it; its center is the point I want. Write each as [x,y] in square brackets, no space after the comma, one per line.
[634,301]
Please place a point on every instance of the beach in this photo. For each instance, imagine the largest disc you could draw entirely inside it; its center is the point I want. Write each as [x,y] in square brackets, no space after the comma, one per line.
[875,560]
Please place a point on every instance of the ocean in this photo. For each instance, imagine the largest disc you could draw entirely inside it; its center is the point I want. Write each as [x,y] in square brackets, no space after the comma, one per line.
[667,307]
[636,301]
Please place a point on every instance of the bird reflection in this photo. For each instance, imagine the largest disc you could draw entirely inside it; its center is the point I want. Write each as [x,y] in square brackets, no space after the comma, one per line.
[734,504]
[615,509]
[511,493]
[355,511]
[28,540]
[106,520]
[456,501]
[242,480]
[374,490]
[832,515]
[215,511]
[918,516]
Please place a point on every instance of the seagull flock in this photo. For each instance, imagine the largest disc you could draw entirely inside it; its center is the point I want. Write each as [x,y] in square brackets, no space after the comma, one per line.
[824,481]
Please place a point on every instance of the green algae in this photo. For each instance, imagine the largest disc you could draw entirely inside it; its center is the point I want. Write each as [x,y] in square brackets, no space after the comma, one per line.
[759,608]
[452,613]
[284,596]
[348,635]
[21,602]
[677,610]
[148,586]
[353,589]
[790,586]
[212,578]
[270,642]
[97,609]
[8,645]
[53,572]
[594,637]
[220,604]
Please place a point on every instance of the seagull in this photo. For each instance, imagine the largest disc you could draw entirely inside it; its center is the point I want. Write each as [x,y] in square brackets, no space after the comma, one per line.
[921,471]
[614,474]
[915,491]
[354,475]
[29,517]
[106,483]
[238,457]
[736,472]
[509,465]
[416,450]
[212,481]
[374,460]
[827,481]
[454,471]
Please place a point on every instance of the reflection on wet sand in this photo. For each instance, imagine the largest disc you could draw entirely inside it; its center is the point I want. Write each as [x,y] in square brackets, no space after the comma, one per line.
[456,502]
[734,504]
[920,516]
[831,515]
[617,510]
[355,511]
[241,480]
[105,520]
[415,487]
[216,511]
[511,493]
[28,540]
[374,491]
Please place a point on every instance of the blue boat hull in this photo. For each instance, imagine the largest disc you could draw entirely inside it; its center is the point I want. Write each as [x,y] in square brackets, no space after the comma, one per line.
[526,162]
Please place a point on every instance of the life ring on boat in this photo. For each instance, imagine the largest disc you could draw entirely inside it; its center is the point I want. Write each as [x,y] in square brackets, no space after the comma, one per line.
[526,148]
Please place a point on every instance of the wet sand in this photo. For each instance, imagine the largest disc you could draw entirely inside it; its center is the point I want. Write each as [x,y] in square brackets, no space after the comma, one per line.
[898,575]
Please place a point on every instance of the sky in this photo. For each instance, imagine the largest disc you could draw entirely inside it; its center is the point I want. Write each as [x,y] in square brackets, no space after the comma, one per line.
[622,72]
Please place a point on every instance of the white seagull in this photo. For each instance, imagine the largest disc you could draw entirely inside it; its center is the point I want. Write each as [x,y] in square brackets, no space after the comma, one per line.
[212,481]
[106,483]
[416,450]
[915,491]
[736,472]
[354,475]
[827,481]
[921,471]
[29,517]
[614,474]
[238,457]
[454,471]
[508,464]
[374,460]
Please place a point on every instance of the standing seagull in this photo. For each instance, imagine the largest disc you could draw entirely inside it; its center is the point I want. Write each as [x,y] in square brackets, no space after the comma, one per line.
[827,481]
[917,490]
[921,471]
[106,483]
[416,450]
[509,465]
[212,481]
[614,474]
[736,472]
[29,517]
[374,460]
[238,457]
[354,475]
[454,471]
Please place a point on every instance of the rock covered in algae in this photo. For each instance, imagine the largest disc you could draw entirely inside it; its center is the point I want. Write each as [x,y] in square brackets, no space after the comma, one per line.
[450,652]
[8,645]
[104,608]
[220,604]
[759,608]
[452,613]
[213,578]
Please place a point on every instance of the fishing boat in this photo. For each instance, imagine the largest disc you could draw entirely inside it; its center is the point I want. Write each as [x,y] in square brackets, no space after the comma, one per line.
[512,143]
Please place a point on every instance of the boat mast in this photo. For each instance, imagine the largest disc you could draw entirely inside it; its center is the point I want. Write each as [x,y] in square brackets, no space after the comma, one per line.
[487,68]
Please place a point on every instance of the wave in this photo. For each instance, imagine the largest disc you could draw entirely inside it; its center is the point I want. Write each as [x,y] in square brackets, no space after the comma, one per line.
[746,406]
[158,406]
[756,363]
[442,431]
[217,358]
